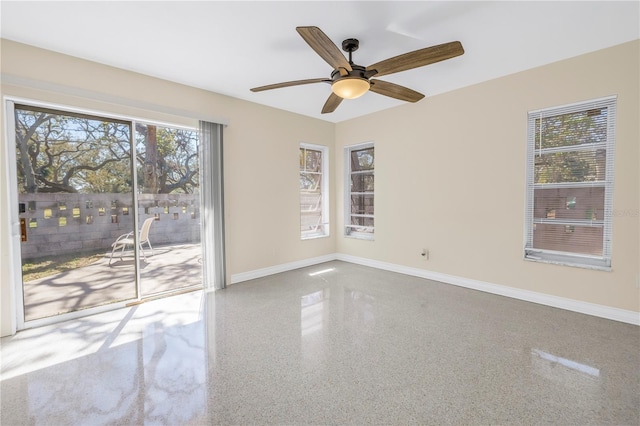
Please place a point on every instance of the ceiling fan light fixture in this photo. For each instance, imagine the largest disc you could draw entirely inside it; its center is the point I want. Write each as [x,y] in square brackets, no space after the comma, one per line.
[350,87]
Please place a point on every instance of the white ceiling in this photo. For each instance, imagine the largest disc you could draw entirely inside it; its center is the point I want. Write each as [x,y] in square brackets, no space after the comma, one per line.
[229,47]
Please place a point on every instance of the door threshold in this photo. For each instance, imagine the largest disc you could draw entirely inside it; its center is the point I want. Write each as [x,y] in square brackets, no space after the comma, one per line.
[163,295]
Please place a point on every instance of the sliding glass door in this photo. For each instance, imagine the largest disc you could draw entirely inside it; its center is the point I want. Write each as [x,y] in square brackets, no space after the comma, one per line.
[169,199]
[97,227]
[75,198]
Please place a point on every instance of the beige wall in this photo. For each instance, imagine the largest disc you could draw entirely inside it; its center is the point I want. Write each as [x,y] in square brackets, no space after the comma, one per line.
[450,177]
[449,170]
[261,151]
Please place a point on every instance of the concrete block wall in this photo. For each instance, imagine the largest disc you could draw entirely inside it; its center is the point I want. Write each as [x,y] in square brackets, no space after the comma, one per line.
[60,223]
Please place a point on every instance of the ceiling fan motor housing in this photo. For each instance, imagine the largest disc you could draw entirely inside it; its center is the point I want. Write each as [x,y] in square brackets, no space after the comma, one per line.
[357,71]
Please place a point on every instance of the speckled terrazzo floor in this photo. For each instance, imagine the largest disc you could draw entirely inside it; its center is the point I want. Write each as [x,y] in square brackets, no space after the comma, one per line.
[331,344]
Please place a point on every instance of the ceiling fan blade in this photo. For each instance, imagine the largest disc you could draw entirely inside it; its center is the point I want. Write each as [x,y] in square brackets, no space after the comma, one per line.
[417,58]
[395,91]
[332,103]
[324,47]
[291,83]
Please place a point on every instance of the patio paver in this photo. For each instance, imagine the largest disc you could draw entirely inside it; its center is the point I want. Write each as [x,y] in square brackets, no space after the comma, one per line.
[170,268]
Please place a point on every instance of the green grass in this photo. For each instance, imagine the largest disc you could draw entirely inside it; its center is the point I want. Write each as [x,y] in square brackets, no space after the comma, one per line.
[34,269]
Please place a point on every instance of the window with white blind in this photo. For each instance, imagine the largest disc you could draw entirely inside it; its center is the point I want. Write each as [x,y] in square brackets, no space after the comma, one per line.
[359,165]
[570,153]
[314,190]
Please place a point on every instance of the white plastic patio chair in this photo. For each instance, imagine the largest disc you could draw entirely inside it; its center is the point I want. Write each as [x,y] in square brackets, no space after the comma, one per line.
[125,240]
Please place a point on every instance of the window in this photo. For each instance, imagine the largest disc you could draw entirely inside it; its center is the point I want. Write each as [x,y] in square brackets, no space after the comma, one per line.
[359,161]
[570,154]
[314,190]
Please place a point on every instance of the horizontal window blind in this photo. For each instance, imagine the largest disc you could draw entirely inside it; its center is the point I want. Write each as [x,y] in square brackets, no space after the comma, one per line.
[359,220]
[314,217]
[570,183]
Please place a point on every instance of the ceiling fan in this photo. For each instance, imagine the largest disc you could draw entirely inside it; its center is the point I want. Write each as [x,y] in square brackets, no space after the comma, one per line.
[349,80]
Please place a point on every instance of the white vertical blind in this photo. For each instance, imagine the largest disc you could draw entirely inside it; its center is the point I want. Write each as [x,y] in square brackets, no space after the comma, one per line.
[212,199]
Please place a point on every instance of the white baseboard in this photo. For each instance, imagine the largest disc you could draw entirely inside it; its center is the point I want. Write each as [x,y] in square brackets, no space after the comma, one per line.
[601,311]
[593,309]
[259,273]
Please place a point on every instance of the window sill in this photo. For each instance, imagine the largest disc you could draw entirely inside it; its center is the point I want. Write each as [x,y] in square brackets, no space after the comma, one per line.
[571,264]
[314,237]
[366,237]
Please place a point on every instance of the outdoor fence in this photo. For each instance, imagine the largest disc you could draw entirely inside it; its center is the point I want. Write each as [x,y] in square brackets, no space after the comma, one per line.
[61,223]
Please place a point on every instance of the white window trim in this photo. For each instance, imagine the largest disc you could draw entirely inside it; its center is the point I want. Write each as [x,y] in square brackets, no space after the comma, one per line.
[325,230]
[347,194]
[565,258]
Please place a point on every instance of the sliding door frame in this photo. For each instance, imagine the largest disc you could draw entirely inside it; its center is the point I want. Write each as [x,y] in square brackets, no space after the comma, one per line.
[15,254]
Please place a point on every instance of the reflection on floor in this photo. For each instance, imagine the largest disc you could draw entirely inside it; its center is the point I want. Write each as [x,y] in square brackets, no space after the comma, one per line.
[331,344]
[171,267]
